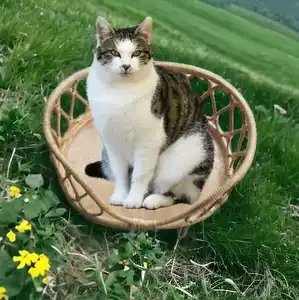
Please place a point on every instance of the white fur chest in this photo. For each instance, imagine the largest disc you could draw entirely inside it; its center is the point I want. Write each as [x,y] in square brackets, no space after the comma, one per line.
[122,112]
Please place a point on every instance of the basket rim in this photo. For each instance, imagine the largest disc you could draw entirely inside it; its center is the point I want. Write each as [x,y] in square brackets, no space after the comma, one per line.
[229,183]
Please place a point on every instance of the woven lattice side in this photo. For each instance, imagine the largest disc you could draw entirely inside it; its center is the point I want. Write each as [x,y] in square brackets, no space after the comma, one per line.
[68,107]
[224,114]
[75,191]
[67,111]
[226,117]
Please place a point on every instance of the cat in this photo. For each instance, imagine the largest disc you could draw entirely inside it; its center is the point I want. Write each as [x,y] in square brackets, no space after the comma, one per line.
[157,148]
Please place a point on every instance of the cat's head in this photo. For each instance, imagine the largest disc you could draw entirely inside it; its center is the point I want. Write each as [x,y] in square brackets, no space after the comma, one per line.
[124,52]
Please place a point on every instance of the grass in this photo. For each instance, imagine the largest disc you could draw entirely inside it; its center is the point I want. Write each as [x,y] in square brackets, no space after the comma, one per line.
[247,250]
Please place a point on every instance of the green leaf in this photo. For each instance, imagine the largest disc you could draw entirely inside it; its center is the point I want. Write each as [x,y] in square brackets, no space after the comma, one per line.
[90,297]
[10,210]
[122,273]
[49,200]
[32,296]
[6,263]
[34,180]
[56,212]
[142,238]
[15,282]
[113,259]
[33,208]
[100,296]
[52,198]
[42,204]
[130,277]
[25,167]
[119,292]
[110,279]
[41,232]
[129,249]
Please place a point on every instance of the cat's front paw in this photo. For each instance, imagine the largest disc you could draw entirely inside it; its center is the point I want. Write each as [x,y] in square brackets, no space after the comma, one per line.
[118,197]
[134,200]
[155,201]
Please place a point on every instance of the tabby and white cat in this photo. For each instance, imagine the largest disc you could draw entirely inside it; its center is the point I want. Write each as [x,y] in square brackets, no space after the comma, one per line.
[156,145]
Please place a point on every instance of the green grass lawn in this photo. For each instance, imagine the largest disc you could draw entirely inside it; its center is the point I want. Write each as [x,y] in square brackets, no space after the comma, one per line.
[247,250]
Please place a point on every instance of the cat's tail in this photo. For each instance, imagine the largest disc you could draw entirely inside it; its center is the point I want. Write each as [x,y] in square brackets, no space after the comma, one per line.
[95,170]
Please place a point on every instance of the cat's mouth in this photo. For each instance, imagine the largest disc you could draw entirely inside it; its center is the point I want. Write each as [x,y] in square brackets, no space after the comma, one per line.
[125,73]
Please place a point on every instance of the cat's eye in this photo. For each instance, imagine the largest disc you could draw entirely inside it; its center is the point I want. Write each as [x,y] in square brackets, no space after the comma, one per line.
[136,53]
[114,52]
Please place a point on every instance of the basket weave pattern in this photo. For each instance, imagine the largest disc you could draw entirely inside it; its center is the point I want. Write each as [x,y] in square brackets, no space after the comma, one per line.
[237,139]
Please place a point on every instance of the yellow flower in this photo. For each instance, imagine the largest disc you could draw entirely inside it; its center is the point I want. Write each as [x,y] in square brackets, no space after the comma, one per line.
[21,258]
[11,236]
[24,225]
[41,266]
[25,258]
[46,280]
[2,293]
[34,272]
[14,192]
[44,258]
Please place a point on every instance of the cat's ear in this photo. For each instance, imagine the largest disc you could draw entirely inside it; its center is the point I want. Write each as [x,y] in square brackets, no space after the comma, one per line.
[104,30]
[145,29]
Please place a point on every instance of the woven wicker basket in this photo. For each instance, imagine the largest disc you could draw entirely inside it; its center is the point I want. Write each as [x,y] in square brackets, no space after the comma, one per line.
[74,143]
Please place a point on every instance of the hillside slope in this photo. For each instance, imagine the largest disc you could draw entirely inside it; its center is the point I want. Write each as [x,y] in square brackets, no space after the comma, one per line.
[259,19]
[283,11]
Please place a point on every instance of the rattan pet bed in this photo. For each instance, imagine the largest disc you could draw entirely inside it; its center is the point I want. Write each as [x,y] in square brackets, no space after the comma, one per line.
[74,143]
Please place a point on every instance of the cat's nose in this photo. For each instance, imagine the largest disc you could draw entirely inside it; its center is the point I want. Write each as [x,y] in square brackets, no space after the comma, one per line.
[126,67]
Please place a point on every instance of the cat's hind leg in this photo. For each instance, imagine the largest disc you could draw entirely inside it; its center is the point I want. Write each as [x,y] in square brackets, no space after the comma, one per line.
[186,190]
[189,154]
[182,169]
